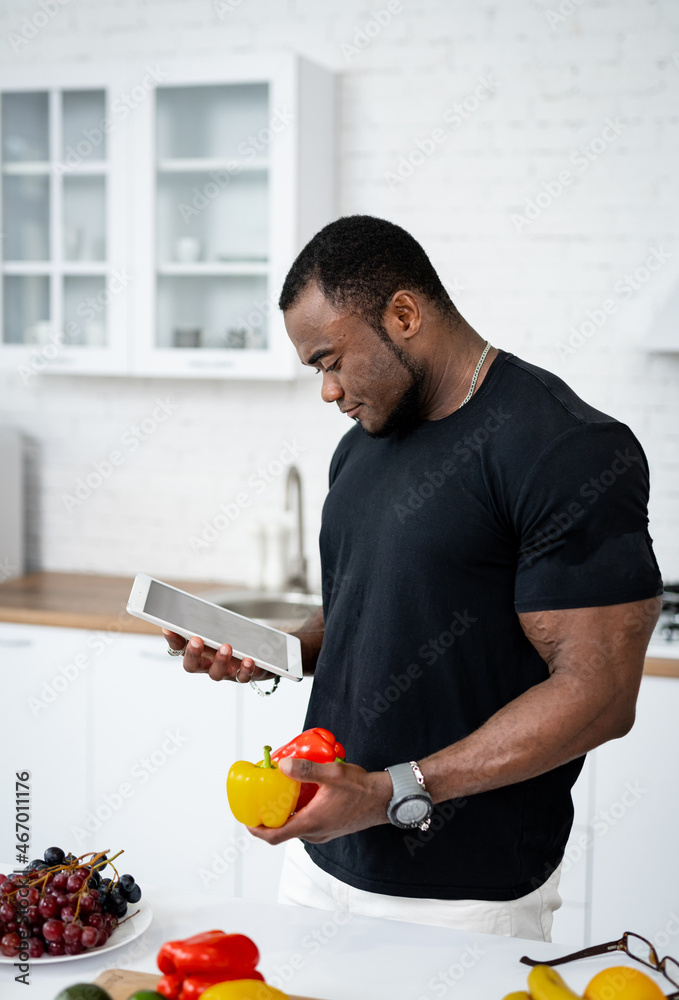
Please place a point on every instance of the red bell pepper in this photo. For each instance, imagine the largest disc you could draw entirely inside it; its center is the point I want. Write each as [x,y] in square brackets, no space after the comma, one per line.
[194,986]
[318,745]
[190,966]
[170,987]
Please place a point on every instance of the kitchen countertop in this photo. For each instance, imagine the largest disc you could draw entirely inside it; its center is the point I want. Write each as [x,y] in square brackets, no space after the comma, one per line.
[91,601]
[323,954]
[81,600]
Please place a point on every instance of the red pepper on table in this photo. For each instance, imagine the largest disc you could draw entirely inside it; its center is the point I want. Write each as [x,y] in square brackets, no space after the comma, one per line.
[195,986]
[190,966]
[318,745]
[170,986]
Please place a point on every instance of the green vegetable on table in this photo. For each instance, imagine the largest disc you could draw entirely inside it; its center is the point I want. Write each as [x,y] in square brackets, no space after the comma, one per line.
[83,991]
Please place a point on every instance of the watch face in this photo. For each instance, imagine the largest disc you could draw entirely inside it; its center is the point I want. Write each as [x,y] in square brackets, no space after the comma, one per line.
[412,810]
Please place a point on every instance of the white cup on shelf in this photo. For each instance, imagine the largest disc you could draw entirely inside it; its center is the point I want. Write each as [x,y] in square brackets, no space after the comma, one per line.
[40,332]
[187,250]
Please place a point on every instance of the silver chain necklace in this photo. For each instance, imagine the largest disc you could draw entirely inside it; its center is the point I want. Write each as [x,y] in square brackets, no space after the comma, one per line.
[476,375]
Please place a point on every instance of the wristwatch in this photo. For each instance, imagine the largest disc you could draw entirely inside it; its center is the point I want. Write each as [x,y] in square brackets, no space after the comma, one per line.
[411,804]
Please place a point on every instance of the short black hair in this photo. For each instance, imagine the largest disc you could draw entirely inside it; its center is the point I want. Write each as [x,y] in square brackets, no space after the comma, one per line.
[359,262]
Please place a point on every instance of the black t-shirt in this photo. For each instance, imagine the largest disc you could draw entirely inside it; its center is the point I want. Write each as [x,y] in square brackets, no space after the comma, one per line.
[432,540]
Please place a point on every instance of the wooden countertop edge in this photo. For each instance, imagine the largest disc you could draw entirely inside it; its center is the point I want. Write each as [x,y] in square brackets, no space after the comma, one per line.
[63,619]
[81,600]
[656,667]
[47,598]
[653,667]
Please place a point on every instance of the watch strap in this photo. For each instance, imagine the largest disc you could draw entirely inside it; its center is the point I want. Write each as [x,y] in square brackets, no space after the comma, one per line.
[404,781]
[408,782]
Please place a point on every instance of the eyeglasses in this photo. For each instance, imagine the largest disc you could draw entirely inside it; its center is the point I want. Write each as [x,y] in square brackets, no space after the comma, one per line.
[635,946]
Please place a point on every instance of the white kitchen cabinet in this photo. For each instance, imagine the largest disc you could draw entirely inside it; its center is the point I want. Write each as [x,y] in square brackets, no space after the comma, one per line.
[158,788]
[636,864]
[621,870]
[64,290]
[46,730]
[152,214]
[571,920]
[127,750]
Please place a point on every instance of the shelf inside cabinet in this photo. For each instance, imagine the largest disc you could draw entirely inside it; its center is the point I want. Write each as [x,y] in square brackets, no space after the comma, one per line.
[215,269]
[84,219]
[212,312]
[29,168]
[210,121]
[25,127]
[26,309]
[205,165]
[26,217]
[85,307]
[200,219]
[84,132]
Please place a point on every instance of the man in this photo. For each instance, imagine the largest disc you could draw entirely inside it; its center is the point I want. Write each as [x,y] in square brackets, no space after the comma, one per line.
[489,590]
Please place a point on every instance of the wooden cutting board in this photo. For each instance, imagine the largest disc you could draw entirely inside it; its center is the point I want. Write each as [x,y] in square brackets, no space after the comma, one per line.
[122,983]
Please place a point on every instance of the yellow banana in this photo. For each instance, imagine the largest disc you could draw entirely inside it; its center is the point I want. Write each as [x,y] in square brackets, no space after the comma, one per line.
[545,983]
[521,995]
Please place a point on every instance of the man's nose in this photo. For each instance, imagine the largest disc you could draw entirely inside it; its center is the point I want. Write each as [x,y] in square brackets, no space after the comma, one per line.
[331,390]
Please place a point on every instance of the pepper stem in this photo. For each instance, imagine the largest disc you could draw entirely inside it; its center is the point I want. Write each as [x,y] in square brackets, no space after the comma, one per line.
[267,757]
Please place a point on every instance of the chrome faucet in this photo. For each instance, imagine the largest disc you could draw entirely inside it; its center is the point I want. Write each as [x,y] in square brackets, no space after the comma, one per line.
[296,567]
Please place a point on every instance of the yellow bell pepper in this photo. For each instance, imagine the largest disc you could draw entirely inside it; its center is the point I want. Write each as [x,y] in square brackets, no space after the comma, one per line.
[260,794]
[243,989]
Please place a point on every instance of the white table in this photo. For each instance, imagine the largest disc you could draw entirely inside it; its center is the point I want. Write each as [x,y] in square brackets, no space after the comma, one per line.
[319,954]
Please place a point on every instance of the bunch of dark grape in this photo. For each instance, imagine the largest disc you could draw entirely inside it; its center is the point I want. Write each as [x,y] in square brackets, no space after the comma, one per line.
[61,905]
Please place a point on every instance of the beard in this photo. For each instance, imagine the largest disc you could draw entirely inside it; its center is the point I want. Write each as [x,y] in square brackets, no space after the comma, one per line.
[406,413]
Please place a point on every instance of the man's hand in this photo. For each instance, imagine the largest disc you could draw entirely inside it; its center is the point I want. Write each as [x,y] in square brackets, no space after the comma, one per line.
[348,799]
[220,664]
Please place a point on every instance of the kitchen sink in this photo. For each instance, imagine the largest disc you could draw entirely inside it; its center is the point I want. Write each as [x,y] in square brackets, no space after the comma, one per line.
[286,610]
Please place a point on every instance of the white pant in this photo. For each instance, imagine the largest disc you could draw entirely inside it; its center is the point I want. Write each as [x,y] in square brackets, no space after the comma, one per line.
[305,884]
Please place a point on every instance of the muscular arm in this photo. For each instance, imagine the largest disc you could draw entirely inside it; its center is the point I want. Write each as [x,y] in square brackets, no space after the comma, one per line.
[595,658]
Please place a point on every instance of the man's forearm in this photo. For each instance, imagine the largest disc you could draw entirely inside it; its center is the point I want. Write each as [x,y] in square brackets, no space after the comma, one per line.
[311,637]
[595,657]
[549,725]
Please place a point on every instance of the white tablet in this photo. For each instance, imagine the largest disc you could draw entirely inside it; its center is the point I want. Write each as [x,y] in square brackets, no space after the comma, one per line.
[174,609]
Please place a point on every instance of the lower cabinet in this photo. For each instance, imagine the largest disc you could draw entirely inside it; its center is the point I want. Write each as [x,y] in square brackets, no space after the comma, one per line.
[126,750]
[45,732]
[621,870]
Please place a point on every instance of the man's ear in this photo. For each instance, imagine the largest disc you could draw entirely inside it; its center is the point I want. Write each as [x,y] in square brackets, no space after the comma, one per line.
[403,316]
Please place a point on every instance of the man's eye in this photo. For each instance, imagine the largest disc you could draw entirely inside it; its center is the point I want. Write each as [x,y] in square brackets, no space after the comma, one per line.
[331,368]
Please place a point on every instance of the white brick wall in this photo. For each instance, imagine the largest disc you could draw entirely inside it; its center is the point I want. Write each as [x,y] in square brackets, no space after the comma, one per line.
[556,86]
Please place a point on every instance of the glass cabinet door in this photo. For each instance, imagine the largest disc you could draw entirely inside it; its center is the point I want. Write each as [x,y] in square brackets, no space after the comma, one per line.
[54,217]
[212,212]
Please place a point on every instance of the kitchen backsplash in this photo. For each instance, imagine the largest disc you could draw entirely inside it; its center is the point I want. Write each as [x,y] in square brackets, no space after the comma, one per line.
[533,155]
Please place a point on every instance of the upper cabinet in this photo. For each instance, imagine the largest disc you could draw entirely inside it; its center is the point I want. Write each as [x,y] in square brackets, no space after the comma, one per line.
[62,243]
[149,218]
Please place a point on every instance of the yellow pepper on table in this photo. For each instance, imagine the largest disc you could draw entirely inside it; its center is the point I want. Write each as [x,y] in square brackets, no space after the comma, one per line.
[243,989]
[260,794]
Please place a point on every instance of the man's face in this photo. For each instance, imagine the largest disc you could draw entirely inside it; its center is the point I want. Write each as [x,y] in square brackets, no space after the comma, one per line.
[370,378]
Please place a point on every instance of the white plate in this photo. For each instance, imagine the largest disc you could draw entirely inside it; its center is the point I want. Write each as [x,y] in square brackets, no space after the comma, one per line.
[127,932]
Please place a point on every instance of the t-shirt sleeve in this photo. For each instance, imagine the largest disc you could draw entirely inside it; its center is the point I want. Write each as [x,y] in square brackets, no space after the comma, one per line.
[582,523]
